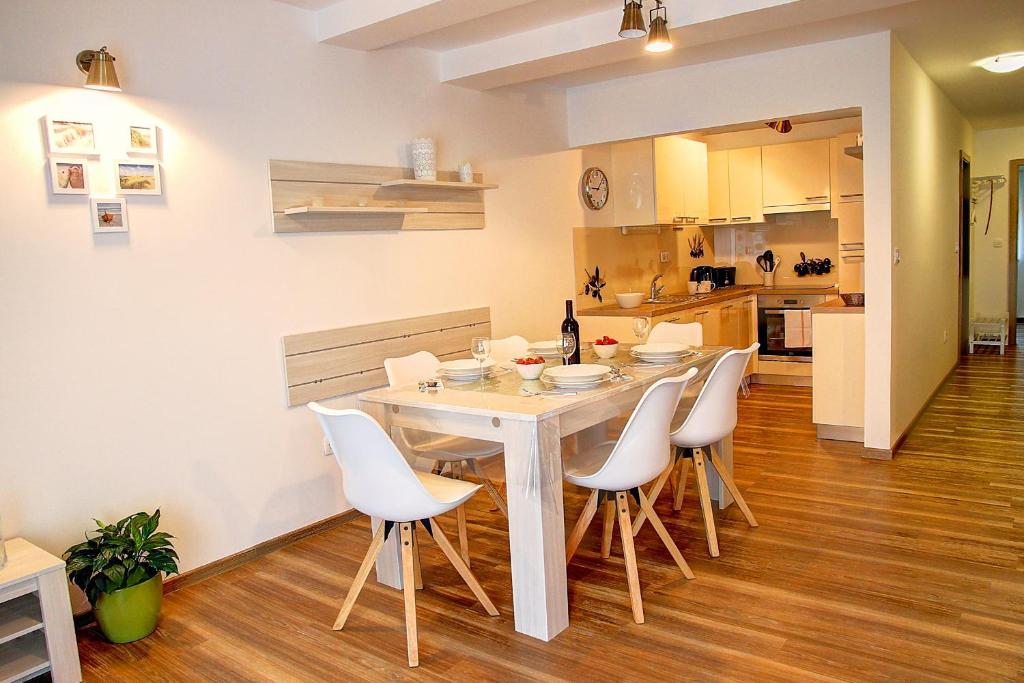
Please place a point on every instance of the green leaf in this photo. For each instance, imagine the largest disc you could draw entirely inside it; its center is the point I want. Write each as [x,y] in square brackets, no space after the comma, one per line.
[116,573]
[137,576]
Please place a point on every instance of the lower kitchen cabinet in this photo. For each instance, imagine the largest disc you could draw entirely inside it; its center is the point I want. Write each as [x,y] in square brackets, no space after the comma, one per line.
[838,374]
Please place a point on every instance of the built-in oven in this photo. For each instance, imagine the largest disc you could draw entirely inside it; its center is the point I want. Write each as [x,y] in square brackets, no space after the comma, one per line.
[782,335]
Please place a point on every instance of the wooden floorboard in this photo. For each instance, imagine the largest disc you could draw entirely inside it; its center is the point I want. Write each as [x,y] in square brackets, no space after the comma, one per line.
[861,570]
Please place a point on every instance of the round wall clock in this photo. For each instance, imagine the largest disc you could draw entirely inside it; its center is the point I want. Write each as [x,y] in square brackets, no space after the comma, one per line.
[594,188]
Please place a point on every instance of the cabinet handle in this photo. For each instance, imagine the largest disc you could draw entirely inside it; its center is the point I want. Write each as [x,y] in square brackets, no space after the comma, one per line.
[820,196]
[855,194]
[741,218]
[670,320]
[699,314]
[718,220]
[684,219]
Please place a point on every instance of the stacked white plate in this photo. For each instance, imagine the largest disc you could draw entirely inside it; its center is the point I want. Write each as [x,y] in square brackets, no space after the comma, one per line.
[583,376]
[660,352]
[545,349]
[465,369]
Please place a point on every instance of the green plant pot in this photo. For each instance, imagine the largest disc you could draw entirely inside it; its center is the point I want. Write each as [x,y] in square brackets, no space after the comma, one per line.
[130,613]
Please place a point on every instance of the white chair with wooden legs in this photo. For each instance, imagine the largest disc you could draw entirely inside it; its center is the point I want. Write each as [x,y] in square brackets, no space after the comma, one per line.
[691,334]
[504,350]
[615,470]
[378,482]
[712,418]
[453,452]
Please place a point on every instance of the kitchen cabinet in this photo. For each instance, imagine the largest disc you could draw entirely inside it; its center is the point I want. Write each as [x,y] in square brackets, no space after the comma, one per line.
[795,176]
[659,181]
[850,216]
[734,186]
[846,172]
[838,375]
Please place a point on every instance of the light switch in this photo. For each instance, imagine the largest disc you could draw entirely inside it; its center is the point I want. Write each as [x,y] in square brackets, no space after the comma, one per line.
[997,244]
[896,258]
[663,257]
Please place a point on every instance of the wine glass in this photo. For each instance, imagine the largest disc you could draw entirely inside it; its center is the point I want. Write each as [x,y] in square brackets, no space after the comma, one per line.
[481,349]
[566,346]
[641,326]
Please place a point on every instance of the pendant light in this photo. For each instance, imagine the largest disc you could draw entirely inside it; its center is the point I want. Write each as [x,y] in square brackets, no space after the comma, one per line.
[99,67]
[632,20]
[659,39]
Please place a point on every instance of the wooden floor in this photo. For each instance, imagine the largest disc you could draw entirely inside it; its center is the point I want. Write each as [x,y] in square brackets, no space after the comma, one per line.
[908,570]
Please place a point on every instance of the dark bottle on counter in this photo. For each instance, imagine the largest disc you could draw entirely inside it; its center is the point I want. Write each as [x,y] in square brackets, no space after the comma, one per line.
[570,326]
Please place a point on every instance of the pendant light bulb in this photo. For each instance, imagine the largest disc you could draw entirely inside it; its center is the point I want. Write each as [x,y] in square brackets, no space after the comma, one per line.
[632,20]
[659,39]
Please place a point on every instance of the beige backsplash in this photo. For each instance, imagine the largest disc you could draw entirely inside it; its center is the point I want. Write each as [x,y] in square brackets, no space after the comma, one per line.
[815,233]
[629,262]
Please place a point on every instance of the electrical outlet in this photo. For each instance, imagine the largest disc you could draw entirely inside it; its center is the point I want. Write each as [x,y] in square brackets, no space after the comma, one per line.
[663,257]
[327,448]
[998,244]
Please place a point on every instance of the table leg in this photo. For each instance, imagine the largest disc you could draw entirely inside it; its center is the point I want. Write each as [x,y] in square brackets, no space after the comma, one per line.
[55,606]
[533,471]
[389,561]
[723,449]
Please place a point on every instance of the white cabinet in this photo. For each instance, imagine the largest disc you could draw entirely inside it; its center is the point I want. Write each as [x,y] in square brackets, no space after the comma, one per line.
[796,176]
[850,216]
[847,172]
[838,375]
[659,181]
[734,186]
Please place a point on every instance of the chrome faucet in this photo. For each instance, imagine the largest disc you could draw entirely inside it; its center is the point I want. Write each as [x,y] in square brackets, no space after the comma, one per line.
[655,289]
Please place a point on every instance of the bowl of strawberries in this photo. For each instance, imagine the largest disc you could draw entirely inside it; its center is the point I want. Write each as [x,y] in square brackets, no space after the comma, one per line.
[606,347]
[529,367]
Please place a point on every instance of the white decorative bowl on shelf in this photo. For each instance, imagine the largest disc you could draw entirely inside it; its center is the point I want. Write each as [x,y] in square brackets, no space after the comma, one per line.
[424,159]
[629,299]
[606,351]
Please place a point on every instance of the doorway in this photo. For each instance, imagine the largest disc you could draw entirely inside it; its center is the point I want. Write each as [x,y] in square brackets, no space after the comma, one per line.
[965,251]
[1014,244]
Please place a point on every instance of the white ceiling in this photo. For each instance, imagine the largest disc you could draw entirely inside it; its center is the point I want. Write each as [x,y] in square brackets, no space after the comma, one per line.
[492,43]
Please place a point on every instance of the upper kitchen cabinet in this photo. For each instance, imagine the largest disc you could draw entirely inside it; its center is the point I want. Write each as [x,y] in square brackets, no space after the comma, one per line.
[734,186]
[659,182]
[681,180]
[847,171]
[796,176]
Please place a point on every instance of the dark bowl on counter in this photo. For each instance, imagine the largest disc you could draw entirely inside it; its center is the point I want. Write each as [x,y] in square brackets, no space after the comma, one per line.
[853,299]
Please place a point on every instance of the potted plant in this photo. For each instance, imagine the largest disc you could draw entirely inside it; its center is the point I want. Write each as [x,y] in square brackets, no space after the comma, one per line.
[120,568]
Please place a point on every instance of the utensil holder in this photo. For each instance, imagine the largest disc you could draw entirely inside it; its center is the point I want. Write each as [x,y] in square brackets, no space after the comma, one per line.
[769,278]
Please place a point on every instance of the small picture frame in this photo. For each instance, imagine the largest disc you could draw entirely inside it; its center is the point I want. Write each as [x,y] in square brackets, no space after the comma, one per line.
[70,136]
[69,175]
[137,176]
[109,215]
[142,138]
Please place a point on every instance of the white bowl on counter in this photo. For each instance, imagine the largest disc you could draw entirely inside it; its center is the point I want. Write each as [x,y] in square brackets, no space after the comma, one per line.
[531,371]
[630,299]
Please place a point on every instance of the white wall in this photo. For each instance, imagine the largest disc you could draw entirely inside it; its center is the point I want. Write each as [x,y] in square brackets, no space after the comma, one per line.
[928,134]
[145,370]
[838,75]
[993,151]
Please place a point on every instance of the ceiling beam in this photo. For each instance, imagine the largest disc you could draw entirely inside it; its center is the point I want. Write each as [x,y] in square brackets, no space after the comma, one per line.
[370,25]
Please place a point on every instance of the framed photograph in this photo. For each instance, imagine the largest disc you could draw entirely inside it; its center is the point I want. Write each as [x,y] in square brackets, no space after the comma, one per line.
[67,136]
[142,139]
[137,176]
[109,215]
[69,176]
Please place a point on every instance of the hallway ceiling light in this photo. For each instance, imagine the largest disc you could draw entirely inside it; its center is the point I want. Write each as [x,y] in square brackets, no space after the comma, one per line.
[1004,63]
[632,20]
[99,65]
[659,39]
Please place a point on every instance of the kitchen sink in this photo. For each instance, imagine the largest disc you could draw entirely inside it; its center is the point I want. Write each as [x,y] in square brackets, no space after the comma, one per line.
[677,298]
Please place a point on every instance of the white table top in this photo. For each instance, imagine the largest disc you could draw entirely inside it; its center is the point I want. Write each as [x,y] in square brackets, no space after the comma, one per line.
[26,561]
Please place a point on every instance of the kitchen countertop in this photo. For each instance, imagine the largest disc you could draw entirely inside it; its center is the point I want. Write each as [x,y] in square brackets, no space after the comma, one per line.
[699,300]
[836,306]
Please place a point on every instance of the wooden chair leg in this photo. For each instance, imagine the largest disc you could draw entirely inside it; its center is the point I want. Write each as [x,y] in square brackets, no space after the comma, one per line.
[684,472]
[700,472]
[357,584]
[581,526]
[659,527]
[629,553]
[730,484]
[489,485]
[655,491]
[609,529]
[416,561]
[460,518]
[409,591]
[461,567]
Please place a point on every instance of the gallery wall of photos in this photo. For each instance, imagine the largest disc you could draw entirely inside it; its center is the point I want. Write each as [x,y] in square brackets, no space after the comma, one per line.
[73,155]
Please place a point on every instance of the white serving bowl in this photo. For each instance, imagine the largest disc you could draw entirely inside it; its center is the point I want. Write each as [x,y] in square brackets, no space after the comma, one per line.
[530,371]
[629,299]
[606,351]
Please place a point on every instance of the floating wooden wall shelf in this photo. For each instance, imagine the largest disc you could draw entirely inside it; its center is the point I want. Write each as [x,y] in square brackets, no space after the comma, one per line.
[321,197]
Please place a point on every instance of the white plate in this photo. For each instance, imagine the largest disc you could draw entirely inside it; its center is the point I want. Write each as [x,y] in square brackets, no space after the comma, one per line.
[465,366]
[547,345]
[575,386]
[660,348]
[581,372]
[574,383]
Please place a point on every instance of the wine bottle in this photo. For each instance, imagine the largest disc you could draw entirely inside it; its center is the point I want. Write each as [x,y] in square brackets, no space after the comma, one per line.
[570,326]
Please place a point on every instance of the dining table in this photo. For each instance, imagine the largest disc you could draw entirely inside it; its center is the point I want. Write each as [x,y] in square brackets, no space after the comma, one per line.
[531,421]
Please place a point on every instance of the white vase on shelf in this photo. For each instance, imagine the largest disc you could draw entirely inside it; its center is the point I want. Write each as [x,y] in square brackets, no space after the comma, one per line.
[424,159]
[466,172]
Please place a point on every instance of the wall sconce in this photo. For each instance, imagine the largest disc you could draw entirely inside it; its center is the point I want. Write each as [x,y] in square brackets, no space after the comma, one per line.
[99,67]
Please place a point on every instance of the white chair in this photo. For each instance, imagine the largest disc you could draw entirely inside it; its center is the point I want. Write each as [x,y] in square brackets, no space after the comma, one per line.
[712,418]
[691,334]
[378,482]
[450,451]
[615,470]
[504,350]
